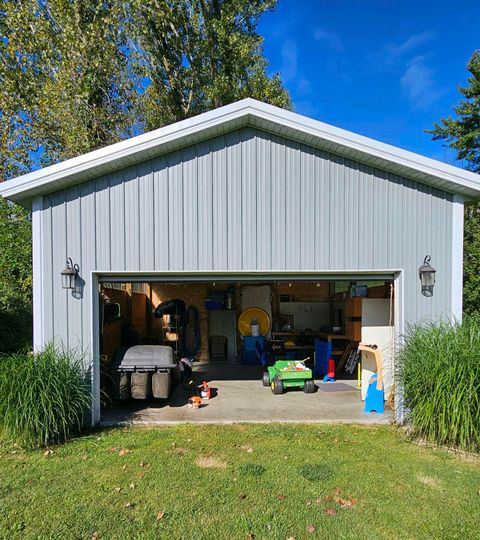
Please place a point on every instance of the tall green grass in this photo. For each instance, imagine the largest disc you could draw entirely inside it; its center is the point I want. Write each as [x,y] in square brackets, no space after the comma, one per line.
[43,396]
[440,374]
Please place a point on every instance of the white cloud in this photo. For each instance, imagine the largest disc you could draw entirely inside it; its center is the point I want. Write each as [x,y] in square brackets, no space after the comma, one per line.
[397,51]
[333,40]
[418,82]
[289,56]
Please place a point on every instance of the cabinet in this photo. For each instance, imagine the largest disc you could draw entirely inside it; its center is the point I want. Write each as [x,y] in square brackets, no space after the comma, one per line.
[353,318]
[353,307]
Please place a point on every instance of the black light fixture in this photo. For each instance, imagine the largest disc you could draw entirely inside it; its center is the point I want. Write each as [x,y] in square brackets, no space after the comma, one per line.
[426,273]
[69,275]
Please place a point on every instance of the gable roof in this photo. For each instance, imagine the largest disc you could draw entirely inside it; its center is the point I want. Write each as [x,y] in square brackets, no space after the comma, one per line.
[247,112]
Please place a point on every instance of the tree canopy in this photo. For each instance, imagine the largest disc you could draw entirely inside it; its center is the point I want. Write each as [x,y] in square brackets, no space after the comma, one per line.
[462,133]
[199,55]
[77,75]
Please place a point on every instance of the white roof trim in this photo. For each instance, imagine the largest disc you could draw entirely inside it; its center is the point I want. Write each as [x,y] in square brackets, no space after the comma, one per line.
[245,112]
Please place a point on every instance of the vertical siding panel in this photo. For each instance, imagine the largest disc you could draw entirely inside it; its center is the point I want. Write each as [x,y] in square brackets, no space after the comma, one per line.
[380,207]
[372,203]
[48,255]
[405,243]
[393,203]
[307,209]
[132,219]
[88,236]
[205,206]
[278,203]
[117,213]
[102,222]
[190,209]
[370,219]
[448,262]
[441,295]
[293,209]
[59,255]
[355,230]
[175,202]
[363,212]
[147,216]
[161,213]
[437,253]
[234,200]
[264,203]
[351,216]
[337,215]
[74,250]
[220,206]
[249,200]
[424,242]
[411,253]
[322,211]
[333,212]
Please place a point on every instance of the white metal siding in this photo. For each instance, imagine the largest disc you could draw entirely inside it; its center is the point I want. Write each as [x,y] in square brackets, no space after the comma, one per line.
[243,201]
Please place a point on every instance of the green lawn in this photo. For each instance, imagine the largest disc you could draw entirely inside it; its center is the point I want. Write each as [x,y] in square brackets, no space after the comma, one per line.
[245,481]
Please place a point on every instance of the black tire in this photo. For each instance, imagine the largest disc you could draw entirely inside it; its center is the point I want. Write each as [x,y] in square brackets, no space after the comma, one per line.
[266,379]
[124,387]
[277,386]
[309,387]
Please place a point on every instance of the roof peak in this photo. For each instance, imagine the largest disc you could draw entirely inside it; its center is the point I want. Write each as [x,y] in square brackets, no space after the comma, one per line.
[233,116]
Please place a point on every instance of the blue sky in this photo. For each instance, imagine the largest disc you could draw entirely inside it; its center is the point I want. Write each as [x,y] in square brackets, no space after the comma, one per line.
[386,69]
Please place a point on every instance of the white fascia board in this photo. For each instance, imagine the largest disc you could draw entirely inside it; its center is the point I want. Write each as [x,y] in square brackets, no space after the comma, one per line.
[247,111]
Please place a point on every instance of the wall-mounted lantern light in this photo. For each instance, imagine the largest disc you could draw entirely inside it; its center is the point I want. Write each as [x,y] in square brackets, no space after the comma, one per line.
[426,272]
[69,275]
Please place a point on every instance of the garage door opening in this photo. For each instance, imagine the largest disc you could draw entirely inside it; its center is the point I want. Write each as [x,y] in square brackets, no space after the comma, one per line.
[231,333]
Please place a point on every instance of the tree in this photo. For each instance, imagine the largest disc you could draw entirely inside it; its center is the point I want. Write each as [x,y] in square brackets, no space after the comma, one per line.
[462,133]
[198,55]
[77,75]
[61,94]
[15,278]
[65,69]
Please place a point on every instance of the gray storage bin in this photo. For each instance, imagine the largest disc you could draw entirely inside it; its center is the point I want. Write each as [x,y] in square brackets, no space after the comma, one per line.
[161,384]
[141,385]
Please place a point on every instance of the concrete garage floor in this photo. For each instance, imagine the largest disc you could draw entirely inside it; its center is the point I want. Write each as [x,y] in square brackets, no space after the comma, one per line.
[239,396]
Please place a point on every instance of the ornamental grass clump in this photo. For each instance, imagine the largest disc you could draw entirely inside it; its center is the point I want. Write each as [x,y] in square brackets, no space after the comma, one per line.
[43,396]
[440,374]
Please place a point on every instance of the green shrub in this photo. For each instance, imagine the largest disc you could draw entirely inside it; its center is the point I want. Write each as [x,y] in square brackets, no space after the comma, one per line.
[440,374]
[43,396]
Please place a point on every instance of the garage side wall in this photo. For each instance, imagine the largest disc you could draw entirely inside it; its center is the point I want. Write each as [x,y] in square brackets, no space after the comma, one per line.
[244,201]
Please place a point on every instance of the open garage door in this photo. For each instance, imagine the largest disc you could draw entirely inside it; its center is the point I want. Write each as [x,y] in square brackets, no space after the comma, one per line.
[231,329]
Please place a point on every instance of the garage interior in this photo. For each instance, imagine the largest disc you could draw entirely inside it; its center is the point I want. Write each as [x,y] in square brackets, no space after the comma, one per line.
[233,331]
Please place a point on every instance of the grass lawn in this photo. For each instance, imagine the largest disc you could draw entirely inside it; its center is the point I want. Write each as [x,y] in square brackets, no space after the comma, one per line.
[244,481]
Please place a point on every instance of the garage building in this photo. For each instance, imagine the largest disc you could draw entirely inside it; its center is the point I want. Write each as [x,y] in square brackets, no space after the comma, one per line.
[249,203]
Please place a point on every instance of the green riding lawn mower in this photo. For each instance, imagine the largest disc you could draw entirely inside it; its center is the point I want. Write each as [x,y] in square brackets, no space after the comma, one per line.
[289,374]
